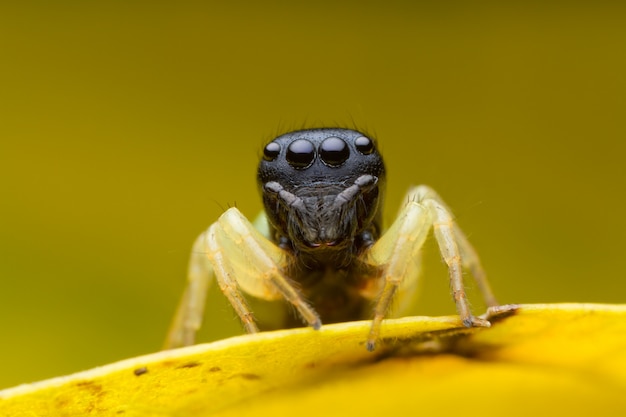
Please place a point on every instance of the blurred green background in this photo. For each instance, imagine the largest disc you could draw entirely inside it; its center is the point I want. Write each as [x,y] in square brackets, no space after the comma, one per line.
[127,127]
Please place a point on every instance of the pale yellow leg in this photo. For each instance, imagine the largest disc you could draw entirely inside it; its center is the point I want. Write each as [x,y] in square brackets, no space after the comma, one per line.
[397,252]
[190,310]
[259,264]
[470,258]
[242,260]
[401,244]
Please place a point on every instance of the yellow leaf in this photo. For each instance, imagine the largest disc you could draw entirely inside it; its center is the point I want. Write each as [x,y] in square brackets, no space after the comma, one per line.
[568,359]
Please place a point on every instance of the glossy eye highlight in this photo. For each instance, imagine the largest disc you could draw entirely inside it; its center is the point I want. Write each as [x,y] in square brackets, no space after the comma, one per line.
[364,145]
[271,151]
[300,153]
[334,151]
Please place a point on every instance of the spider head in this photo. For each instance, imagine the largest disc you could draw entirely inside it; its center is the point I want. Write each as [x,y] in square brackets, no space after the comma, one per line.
[322,188]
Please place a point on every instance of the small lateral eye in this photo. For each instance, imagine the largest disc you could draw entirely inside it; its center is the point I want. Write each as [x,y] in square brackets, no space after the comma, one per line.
[364,145]
[271,151]
[300,153]
[334,151]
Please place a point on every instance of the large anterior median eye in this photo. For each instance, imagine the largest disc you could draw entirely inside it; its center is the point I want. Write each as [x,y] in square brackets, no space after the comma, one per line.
[300,153]
[334,151]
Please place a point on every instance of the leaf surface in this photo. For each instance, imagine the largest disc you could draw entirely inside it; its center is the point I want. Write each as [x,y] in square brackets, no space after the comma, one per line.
[565,358]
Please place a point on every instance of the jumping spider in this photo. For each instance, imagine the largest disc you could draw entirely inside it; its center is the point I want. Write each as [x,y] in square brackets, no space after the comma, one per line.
[323,249]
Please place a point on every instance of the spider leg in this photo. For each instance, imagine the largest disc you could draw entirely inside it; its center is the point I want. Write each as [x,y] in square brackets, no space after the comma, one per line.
[241,259]
[398,250]
[190,310]
[258,264]
[469,257]
[226,277]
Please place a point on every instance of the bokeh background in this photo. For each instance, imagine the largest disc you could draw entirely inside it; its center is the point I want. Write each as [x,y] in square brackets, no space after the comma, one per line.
[127,127]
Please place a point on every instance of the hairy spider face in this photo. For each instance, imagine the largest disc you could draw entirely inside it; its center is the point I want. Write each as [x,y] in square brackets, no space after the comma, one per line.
[322,189]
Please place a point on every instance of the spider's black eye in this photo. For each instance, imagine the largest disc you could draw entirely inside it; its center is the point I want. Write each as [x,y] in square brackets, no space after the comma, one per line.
[300,153]
[364,145]
[334,151]
[271,151]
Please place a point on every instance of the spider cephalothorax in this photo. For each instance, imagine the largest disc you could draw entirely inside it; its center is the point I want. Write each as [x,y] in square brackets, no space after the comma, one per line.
[322,190]
[324,251]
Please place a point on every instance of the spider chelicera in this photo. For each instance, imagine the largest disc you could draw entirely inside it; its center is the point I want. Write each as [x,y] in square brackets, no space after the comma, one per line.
[319,244]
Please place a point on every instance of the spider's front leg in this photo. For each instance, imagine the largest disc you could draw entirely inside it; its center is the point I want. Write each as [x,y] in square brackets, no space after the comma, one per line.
[241,259]
[188,317]
[397,253]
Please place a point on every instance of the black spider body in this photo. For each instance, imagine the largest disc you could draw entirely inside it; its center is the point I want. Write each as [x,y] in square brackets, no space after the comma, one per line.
[322,191]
